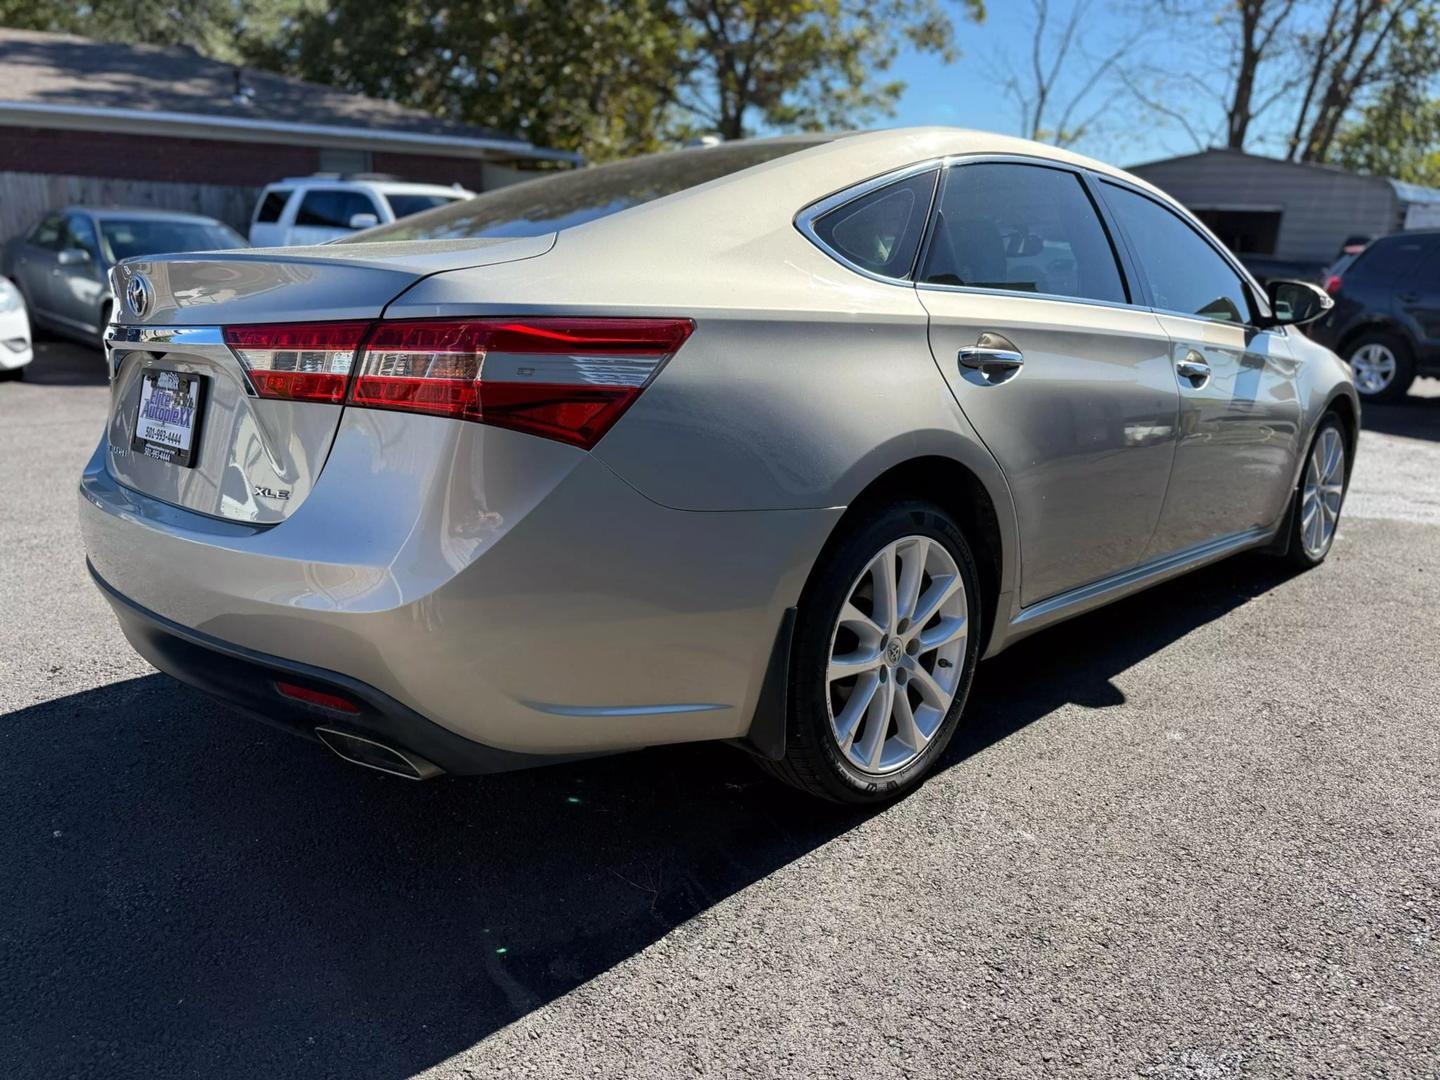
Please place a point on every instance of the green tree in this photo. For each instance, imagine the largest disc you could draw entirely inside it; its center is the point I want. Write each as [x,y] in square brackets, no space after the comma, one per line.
[589,76]
[608,77]
[618,77]
[1398,135]
[217,28]
[1397,131]
[806,64]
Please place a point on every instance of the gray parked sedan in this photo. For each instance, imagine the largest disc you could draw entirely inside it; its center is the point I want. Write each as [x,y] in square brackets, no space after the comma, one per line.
[62,266]
[770,443]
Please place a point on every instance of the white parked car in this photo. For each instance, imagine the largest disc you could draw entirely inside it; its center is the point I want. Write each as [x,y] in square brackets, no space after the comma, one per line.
[15,348]
[316,209]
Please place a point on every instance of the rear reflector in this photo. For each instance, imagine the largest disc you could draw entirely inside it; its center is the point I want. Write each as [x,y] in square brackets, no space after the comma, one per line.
[317,697]
[1333,284]
[298,361]
[559,378]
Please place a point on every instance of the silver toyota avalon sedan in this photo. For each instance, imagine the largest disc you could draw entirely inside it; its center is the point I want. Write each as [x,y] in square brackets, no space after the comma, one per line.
[767,443]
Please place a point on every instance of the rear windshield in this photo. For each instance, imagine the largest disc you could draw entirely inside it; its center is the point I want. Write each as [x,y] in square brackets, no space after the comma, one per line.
[124,239]
[572,198]
[407,205]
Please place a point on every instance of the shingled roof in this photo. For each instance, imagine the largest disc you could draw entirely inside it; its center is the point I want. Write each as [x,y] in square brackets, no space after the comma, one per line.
[64,75]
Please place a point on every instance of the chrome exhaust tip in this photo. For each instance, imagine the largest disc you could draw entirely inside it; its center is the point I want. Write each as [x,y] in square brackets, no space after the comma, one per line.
[359,750]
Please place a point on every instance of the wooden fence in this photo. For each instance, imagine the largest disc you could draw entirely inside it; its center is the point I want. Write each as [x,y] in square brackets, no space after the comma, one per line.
[26,197]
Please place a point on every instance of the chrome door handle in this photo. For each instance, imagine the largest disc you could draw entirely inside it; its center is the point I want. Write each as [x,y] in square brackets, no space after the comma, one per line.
[1194,368]
[991,351]
[980,356]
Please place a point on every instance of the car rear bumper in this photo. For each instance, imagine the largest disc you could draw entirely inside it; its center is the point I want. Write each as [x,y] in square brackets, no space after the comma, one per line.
[565,614]
[250,681]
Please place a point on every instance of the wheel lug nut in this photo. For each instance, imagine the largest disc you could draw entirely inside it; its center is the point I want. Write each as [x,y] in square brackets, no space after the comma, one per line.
[903,625]
[912,647]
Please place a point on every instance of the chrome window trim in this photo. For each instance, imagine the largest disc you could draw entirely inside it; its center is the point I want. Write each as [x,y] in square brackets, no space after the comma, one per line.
[1018,294]
[806,218]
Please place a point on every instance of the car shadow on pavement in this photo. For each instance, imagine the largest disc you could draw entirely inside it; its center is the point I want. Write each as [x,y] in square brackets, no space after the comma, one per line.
[66,363]
[187,892]
[1417,416]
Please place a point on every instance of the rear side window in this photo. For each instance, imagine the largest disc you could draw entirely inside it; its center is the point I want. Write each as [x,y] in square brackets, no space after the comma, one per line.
[1185,273]
[1021,228]
[1395,259]
[881,230]
[332,209]
[271,207]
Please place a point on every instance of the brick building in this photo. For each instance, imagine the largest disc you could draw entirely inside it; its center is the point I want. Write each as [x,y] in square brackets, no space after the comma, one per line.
[85,121]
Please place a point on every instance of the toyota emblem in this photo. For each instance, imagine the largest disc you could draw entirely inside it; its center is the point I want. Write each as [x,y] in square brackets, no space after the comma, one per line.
[139,294]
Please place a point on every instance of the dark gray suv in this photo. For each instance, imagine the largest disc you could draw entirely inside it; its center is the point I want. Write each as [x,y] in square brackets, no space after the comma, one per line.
[1386,320]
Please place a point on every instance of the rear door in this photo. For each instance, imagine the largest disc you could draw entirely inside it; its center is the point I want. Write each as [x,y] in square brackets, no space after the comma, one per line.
[1417,298]
[325,213]
[1239,408]
[1068,384]
[267,229]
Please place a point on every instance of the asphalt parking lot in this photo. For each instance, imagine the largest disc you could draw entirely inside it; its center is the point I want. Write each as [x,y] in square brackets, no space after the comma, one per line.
[1194,835]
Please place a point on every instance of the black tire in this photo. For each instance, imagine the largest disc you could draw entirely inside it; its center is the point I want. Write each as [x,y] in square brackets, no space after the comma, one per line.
[1399,385]
[1296,553]
[12,374]
[813,760]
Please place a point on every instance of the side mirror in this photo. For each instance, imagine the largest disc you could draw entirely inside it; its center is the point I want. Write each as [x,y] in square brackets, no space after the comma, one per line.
[73,257]
[364,221]
[1294,303]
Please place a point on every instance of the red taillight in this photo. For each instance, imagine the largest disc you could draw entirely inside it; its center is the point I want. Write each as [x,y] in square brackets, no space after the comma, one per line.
[298,361]
[316,697]
[560,378]
[1333,284]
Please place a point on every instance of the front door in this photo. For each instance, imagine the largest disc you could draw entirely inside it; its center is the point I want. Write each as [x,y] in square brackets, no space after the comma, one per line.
[324,214]
[1069,386]
[1239,408]
[35,264]
[76,288]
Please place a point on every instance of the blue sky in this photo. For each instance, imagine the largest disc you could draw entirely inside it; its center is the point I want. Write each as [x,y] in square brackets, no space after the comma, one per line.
[971,92]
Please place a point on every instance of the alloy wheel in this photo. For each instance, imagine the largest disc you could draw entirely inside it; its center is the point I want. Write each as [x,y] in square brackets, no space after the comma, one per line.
[1324,489]
[897,654]
[1374,366]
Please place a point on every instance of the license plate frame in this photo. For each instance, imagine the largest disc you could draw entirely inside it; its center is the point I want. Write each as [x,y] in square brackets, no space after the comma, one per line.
[186,390]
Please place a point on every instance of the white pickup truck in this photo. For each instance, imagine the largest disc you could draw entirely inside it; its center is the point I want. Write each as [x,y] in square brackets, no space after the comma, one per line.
[316,209]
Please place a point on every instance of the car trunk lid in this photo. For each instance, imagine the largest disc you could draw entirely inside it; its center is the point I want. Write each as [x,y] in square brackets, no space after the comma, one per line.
[209,439]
